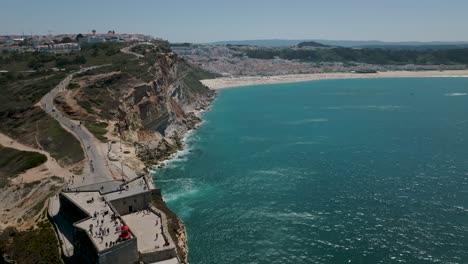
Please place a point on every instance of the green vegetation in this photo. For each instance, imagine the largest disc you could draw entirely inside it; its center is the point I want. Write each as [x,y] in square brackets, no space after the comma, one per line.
[14,162]
[38,246]
[86,105]
[24,90]
[191,76]
[73,86]
[90,54]
[67,40]
[32,126]
[141,49]
[24,61]
[370,56]
[61,145]
[100,95]
[99,129]
[64,61]
[79,36]
[311,44]
[103,53]
[184,44]
[136,69]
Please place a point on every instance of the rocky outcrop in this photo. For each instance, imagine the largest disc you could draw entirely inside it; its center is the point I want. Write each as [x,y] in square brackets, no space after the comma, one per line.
[153,102]
[156,115]
[175,225]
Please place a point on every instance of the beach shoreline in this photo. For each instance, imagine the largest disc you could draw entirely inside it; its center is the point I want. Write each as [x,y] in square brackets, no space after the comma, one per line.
[231,82]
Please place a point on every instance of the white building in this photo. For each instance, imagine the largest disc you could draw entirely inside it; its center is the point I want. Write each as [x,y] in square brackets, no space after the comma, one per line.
[59,48]
[92,40]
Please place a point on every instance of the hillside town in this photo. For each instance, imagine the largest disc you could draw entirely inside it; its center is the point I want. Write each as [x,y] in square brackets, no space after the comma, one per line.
[65,43]
[232,61]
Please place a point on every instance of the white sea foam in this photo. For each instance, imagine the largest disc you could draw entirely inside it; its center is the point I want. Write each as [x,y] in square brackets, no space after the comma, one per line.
[253,138]
[181,155]
[290,216]
[171,197]
[306,143]
[269,172]
[339,93]
[186,188]
[455,94]
[177,157]
[364,107]
[307,120]
[462,208]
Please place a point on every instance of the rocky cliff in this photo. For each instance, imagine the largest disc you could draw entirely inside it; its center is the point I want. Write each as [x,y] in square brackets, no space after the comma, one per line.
[150,102]
[156,115]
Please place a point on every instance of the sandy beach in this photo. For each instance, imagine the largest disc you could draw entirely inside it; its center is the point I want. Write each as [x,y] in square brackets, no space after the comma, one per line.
[228,82]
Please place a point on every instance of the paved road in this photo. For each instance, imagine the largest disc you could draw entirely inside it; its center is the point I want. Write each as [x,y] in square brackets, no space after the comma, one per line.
[127,51]
[97,168]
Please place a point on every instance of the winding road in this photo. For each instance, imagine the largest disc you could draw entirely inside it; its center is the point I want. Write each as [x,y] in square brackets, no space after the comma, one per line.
[97,168]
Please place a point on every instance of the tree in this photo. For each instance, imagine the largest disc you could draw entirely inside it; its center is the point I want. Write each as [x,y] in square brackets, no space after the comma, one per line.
[67,40]
[61,61]
[79,36]
[35,64]
[80,59]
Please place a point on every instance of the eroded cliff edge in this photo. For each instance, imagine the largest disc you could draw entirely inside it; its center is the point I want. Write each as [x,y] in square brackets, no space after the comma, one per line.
[150,103]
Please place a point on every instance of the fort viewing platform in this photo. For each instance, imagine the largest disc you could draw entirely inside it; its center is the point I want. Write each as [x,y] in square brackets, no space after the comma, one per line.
[112,222]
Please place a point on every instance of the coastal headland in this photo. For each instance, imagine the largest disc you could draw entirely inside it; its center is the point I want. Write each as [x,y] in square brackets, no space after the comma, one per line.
[229,82]
[80,135]
[84,121]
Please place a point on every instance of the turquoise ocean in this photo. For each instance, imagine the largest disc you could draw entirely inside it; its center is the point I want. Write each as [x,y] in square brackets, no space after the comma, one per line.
[330,171]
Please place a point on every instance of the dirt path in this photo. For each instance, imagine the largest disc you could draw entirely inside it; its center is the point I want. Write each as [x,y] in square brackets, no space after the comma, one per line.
[127,50]
[97,168]
[48,169]
[24,197]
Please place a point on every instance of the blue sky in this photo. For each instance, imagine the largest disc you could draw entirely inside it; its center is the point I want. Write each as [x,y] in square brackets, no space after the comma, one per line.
[212,20]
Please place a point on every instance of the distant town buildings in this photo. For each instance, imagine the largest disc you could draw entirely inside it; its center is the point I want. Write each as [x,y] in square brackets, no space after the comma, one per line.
[64,43]
[92,40]
[59,48]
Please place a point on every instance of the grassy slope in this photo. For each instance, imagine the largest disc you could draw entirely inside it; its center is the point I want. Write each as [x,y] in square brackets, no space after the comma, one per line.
[365,55]
[20,119]
[13,162]
[91,54]
[191,76]
[33,127]
[99,129]
[19,91]
[38,246]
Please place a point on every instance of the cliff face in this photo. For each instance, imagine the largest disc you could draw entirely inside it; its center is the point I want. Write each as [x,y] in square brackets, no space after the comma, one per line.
[151,102]
[156,115]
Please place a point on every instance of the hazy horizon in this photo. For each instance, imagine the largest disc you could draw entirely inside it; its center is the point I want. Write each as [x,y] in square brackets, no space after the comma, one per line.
[208,20]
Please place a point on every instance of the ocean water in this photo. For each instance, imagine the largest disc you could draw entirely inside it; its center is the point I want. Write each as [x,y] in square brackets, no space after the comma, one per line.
[333,171]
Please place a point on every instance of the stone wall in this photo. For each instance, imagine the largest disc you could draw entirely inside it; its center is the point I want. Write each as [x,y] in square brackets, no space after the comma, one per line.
[156,256]
[70,211]
[137,202]
[167,252]
[123,253]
